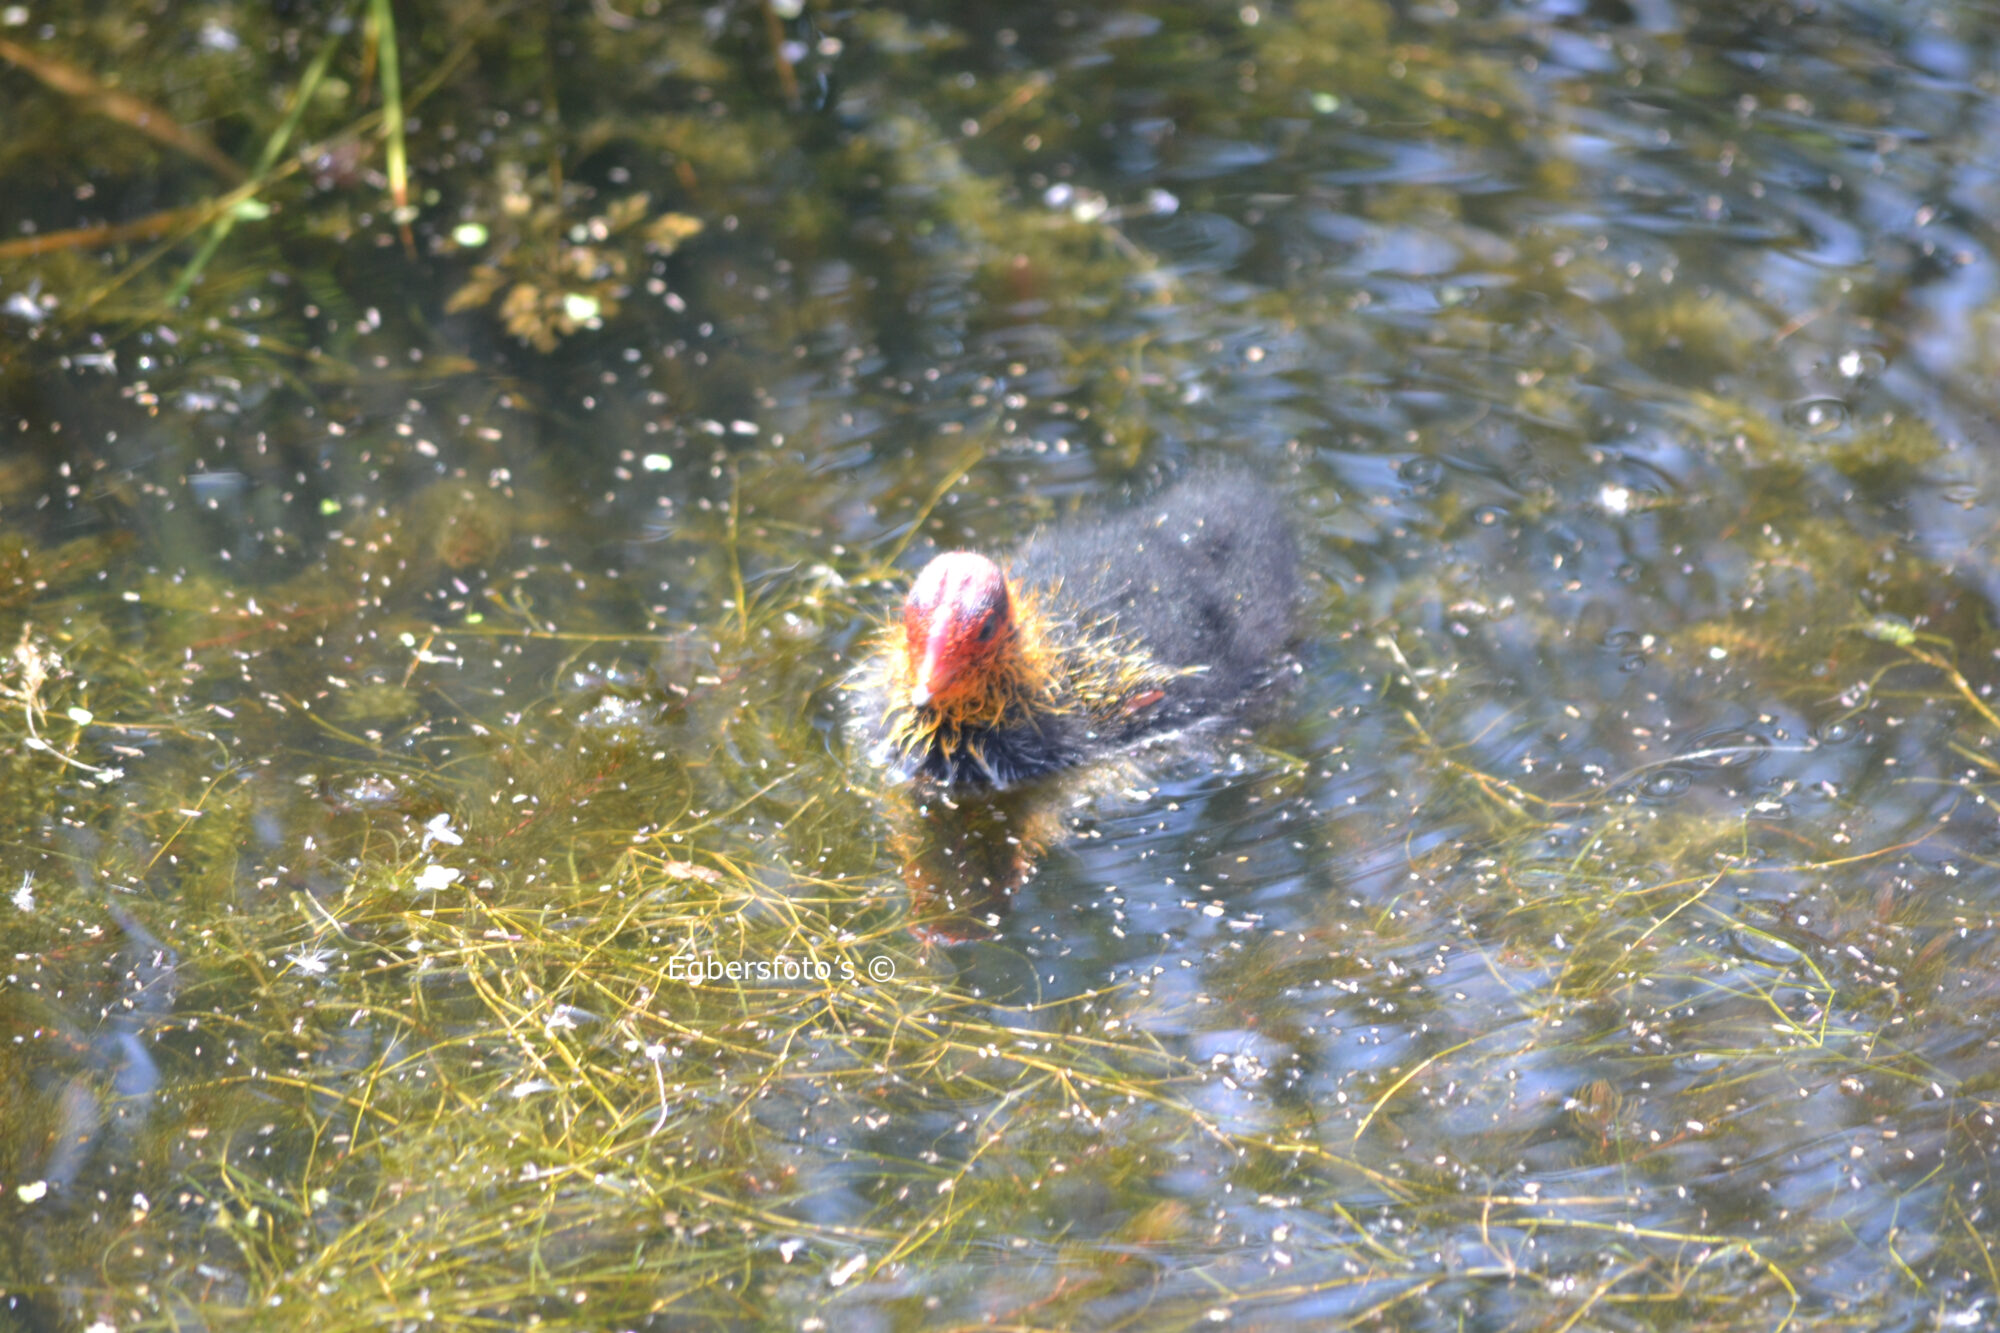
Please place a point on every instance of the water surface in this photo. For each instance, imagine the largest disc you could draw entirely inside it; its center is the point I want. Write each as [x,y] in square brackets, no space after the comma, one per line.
[429,612]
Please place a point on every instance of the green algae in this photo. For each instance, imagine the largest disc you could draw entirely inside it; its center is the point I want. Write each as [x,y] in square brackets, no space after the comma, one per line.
[423,653]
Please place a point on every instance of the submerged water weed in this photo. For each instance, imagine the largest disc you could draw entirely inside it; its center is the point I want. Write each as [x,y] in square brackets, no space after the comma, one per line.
[439,891]
[560,276]
[440,1037]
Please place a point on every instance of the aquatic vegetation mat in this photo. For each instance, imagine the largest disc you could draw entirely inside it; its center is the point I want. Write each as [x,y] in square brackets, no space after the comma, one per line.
[456,458]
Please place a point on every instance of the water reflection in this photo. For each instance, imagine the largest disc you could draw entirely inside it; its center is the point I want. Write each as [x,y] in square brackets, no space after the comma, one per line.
[1620,867]
[964,858]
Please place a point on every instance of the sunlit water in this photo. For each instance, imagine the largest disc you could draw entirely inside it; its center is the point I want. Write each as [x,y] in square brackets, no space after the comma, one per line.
[1596,932]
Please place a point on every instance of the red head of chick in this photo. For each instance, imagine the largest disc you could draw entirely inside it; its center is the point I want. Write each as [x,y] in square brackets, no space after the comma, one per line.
[959,634]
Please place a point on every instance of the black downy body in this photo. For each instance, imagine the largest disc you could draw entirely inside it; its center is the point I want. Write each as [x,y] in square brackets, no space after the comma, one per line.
[1201,578]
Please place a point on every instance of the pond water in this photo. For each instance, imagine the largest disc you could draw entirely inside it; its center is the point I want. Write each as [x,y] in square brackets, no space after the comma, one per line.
[455,460]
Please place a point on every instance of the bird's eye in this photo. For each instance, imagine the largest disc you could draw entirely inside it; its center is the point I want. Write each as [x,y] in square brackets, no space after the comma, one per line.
[989,627]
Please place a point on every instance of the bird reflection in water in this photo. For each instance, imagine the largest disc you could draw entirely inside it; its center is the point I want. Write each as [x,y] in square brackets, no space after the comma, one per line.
[963,857]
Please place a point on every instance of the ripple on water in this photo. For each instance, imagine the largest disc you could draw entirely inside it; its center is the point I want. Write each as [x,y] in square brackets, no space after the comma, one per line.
[1630,646]
[1725,747]
[1198,242]
[1665,784]
[1198,157]
[1860,364]
[1420,474]
[1413,163]
[1818,415]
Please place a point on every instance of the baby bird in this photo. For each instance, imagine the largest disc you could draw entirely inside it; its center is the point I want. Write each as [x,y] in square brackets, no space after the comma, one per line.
[1089,639]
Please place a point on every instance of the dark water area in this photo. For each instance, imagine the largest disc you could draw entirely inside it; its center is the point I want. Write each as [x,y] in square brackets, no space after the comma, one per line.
[455,459]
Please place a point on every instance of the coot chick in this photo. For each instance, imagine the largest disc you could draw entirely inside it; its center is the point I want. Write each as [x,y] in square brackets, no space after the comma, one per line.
[1091,637]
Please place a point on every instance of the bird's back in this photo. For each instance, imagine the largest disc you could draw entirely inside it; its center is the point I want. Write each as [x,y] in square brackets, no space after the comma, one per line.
[1203,575]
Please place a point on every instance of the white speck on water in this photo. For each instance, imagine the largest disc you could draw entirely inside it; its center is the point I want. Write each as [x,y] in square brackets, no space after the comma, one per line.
[439,830]
[436,878]
[311,961]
